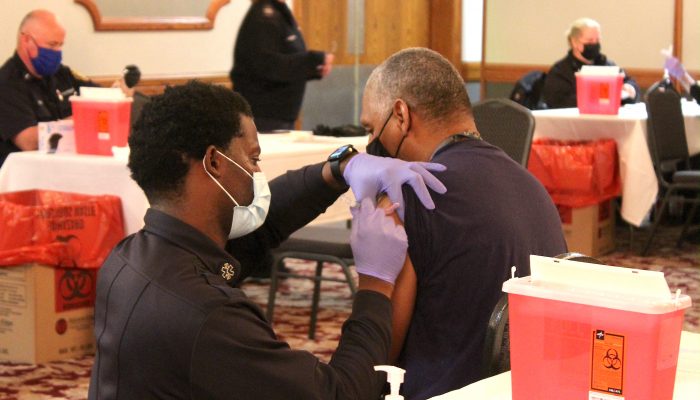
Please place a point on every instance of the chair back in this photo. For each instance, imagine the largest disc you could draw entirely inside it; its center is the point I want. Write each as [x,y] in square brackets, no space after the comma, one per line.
[665,130]
[527,91]
[506,124]
[497,341]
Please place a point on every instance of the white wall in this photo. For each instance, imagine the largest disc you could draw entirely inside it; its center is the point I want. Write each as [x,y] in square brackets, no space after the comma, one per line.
[532,32]
[691,35]
[472,23]
[156,53]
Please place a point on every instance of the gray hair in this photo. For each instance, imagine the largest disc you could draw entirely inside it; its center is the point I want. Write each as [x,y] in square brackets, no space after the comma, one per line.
[424,79]
[578,26]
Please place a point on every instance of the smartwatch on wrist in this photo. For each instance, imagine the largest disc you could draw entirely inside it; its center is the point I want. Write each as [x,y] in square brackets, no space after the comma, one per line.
[336,157]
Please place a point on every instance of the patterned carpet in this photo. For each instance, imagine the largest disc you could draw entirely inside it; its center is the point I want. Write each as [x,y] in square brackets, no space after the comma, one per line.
[69,379]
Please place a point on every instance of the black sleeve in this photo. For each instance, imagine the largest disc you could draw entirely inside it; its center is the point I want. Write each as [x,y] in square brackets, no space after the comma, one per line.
[559,89]
[260,48]
[16,111]
[629,80]
[695,92]
[237,356]
[298,197]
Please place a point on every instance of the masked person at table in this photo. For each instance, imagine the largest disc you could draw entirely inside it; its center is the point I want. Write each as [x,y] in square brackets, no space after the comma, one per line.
[170,319]
[583,38]
[494,215]
[34,85]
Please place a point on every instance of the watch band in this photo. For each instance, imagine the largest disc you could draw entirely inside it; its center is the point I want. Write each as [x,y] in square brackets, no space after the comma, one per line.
[335,171]
[340,154]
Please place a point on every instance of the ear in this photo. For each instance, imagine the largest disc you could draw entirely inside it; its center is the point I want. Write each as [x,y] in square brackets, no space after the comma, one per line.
[212,161]
[403,115]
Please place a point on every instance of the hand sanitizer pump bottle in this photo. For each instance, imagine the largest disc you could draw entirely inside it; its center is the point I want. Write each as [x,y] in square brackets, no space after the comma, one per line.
[394,375]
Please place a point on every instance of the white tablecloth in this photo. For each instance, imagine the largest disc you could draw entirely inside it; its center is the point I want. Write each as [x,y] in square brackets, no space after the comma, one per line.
[687,384]
[628,129]
[109,175]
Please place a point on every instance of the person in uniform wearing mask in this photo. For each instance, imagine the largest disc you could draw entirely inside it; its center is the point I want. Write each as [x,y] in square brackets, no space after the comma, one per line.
[170,319]
[34,85]
[583,38]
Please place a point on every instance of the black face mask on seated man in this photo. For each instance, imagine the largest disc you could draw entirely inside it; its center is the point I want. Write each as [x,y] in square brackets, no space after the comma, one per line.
[376,148]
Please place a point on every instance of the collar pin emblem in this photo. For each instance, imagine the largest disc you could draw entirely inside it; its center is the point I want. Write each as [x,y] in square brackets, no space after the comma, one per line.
[227,271]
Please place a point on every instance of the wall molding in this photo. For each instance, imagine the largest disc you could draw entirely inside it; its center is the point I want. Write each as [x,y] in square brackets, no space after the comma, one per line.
[154,85]
[510,73]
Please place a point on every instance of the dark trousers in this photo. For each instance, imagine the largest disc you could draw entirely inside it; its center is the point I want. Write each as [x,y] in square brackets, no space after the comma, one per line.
[270,125]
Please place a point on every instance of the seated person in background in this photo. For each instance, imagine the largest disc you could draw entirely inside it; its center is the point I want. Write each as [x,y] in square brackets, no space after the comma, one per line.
[34,85]
[584,49]
[494,215]
[170,319]
[678,72]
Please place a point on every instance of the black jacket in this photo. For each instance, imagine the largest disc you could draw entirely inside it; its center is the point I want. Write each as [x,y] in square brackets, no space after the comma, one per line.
[171,323]
[560,84]
[271,64]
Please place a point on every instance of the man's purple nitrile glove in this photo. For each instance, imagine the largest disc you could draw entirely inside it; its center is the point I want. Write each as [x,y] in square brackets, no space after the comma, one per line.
[378,244]
[369,176]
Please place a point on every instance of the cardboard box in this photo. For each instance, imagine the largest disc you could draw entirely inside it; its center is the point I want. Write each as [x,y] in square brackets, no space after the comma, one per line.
[46,313]
[589,230]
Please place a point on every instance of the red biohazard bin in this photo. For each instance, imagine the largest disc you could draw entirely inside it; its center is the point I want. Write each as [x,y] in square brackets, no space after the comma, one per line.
[58,228]
[587,331]
[576,173]
[598,94]
[100,124]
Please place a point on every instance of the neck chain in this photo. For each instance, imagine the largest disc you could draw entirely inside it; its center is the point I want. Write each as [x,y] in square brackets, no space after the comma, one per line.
[457,137]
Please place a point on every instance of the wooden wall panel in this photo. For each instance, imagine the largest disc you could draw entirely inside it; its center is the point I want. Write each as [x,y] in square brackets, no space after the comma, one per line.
[155,85]
[390,25]
[446,29]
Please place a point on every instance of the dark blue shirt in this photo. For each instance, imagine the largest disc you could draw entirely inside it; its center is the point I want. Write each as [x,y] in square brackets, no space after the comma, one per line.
[493,216]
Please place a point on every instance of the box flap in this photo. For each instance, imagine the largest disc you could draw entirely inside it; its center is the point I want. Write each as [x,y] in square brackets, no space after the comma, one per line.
[598,285]
[604,278]
[599,70]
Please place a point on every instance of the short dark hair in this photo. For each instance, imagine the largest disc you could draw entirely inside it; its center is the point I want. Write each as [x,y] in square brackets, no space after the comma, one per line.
[178,126]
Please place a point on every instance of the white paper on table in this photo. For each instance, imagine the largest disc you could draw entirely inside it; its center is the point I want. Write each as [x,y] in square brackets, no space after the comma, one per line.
[56,136]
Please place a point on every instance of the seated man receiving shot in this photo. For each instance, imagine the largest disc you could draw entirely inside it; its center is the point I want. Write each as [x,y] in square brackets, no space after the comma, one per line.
[494,215]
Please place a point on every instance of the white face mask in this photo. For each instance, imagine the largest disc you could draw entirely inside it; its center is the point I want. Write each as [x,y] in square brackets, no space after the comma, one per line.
[246,219]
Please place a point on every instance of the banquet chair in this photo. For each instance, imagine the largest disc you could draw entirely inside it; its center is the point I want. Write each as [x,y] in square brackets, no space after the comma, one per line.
[496,357]
[669,153]
[319,243]
[506,124]
[497,341]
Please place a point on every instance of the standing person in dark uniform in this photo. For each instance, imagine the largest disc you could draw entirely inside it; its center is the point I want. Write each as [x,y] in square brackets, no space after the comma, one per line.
[170,321]
[494,215]
[583,38]
[34,85]
[271,64]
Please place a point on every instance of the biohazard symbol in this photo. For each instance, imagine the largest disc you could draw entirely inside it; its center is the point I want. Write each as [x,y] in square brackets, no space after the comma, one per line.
[75,284]
[612,360]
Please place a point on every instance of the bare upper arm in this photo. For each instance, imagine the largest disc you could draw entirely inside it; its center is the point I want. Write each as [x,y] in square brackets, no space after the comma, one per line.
[403,299]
